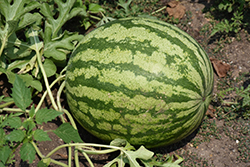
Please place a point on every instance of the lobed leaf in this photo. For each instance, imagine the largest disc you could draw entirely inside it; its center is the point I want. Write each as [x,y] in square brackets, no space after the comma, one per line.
[17,9]
[60,46]
[66,12]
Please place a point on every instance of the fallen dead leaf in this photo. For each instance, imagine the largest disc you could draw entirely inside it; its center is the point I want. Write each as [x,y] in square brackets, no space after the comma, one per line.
[210,111]
[220,68]
[62,155]
[175,9]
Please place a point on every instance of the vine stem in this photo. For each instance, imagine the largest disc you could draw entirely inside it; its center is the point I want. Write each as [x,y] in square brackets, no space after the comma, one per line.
[3,45]
[59,95]
[39,60]
[14,110]
[70,118]
[43,157]
[159,10]
[88,159]
[45,93]
[36,47]
[111,148]
[6,104]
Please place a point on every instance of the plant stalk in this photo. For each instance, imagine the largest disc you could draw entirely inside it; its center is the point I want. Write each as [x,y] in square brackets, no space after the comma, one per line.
[159,10]
[39,60]
[45,93]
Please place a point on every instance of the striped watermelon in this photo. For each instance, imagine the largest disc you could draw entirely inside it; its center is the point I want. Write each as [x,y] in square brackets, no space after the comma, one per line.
[139,79]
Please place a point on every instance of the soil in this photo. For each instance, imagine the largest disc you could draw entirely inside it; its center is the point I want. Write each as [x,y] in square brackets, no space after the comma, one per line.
[219,152]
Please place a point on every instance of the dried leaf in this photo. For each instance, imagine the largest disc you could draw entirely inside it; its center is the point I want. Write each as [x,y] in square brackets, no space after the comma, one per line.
[210,111]
[220,67]
[175,9]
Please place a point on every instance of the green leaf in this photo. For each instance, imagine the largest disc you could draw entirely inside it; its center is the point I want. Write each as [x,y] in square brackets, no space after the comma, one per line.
[95,8]
[5,99]
[2,138]
[130,157]
[67,133]
[27,152]
[122,143]
[12,12]
[32,111]
[50,67]
[16,49]
[29,125]
[16,135]
[28,66]
[45,115]
[118,142]
[29,19]
[27,78]
[66,12]
[11,26]
[40,135]
[230,9]
[141,153]
[13,122]
[36,44]
[168,163]
[1,164]
[221,5]
[17,9]
[41,164]
[21,94]
[4,154]
[60,46]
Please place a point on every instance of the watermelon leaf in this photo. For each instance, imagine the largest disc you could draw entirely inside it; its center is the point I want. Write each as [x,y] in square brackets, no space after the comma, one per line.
[168,163]
[60,46]
[66,12]
[141,153]
[130,157]
[49,67]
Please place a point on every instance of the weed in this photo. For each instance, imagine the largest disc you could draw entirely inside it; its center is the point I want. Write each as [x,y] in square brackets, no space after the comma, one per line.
[236,10]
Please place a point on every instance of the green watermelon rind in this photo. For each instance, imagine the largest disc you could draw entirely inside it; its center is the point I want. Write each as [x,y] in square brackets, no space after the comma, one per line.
[140,79]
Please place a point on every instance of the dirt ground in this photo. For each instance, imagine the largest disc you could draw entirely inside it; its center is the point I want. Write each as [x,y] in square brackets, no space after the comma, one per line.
[216,152]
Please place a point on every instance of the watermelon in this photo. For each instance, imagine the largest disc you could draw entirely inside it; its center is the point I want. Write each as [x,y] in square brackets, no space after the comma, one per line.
[139,79]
